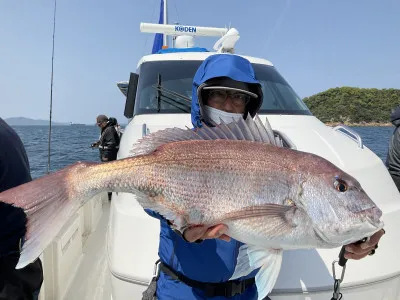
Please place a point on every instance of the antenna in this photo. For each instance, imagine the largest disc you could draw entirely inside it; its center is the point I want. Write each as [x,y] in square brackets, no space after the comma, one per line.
[182,30]
[165,40]
[51,86]
[226,44]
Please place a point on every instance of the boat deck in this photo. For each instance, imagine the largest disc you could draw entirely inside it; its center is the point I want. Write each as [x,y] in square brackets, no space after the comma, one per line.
[92,280]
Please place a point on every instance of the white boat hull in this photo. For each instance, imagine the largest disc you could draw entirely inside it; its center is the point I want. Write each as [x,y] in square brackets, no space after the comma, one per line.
[305,274]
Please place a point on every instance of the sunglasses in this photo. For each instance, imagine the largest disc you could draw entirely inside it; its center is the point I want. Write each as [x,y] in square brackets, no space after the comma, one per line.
[220,96]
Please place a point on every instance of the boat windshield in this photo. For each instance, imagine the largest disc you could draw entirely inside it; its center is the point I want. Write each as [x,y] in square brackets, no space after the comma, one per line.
[166,87]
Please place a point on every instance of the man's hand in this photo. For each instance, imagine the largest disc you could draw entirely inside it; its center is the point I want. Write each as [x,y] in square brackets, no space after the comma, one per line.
[201,232]
[358,251]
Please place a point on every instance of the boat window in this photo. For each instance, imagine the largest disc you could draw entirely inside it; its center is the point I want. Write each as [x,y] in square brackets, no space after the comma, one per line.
[166,87]
[279,97]
[162,85]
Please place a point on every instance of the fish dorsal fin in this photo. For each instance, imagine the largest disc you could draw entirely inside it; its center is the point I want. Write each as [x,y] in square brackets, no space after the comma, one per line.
[248,129]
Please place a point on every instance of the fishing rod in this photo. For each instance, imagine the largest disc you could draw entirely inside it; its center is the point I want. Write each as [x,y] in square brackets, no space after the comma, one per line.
[51,88]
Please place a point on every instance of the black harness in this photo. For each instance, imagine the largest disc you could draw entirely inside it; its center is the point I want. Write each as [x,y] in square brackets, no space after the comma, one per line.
[211,289]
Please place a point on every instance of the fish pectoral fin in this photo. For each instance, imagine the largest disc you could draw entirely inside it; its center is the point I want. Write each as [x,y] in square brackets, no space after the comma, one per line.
[268,274]
[272,210]
[268,261]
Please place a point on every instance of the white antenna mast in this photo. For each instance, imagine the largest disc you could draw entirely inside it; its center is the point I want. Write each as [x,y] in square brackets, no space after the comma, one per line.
[165,41]
[225,44]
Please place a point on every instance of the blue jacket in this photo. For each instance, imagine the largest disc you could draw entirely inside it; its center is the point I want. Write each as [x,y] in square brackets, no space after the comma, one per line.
[210,260]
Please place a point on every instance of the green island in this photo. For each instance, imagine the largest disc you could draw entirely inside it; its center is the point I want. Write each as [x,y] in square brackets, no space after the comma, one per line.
[353,106]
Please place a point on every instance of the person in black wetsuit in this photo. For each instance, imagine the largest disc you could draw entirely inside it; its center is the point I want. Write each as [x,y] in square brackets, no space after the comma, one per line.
[393,156]
[108,143]
[117,127]
[25,283]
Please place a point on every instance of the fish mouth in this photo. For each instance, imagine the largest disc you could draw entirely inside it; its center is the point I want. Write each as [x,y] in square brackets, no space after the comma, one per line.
[369,225]
[378,225]
[373,216]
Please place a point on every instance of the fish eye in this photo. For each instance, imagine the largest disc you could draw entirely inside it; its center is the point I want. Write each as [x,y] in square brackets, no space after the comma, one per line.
[340,185]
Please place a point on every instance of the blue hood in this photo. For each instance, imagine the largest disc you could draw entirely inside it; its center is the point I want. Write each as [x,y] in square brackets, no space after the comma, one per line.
[222,65]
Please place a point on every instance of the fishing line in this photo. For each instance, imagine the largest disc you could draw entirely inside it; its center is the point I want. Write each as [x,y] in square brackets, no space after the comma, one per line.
[51,87]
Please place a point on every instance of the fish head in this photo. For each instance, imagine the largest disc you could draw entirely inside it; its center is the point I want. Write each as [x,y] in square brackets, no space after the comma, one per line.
[340,209]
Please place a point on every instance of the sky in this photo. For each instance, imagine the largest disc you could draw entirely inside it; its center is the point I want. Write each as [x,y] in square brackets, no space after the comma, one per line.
[314,44]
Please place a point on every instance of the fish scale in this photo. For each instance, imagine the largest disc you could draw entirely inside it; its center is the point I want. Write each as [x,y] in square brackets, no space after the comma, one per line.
[181,182]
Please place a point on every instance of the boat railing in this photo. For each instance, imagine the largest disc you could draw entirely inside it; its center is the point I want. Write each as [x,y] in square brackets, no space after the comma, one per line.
[350,133]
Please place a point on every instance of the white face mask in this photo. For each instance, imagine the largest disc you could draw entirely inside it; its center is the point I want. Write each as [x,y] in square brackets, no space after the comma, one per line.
[216,115]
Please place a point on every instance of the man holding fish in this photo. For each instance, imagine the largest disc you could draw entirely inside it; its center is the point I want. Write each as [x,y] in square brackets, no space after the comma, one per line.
[224,89]
[230,198]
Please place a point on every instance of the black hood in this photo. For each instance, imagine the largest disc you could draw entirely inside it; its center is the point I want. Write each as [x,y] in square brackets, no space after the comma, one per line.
[395,116]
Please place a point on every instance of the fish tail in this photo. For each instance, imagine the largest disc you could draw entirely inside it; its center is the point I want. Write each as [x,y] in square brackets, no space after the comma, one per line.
[40,208]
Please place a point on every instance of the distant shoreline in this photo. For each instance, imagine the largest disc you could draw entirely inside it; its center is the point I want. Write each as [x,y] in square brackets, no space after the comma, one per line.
[361,124]
[52,125]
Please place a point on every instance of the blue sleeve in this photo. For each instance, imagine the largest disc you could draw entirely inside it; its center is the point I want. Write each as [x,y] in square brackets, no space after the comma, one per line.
[167,223]
[154,215]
